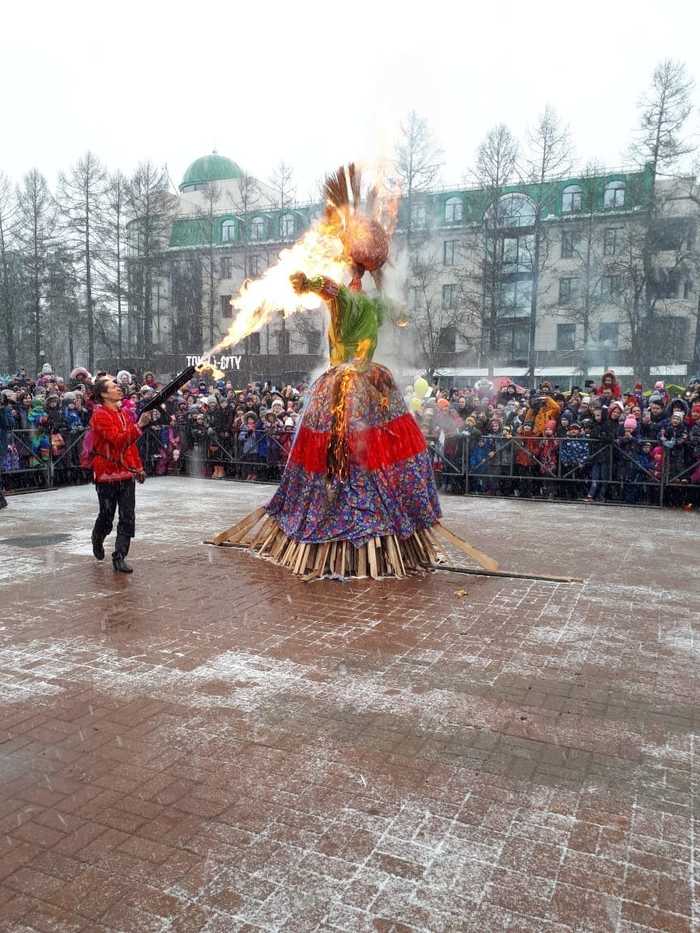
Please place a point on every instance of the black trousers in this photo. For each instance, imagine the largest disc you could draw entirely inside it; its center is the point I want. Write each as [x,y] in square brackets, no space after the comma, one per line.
[121,494]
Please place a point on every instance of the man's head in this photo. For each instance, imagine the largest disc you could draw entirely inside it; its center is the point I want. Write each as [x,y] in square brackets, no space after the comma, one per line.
[107,391]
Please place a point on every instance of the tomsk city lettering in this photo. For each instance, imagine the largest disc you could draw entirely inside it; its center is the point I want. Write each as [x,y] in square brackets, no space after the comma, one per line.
[223,362]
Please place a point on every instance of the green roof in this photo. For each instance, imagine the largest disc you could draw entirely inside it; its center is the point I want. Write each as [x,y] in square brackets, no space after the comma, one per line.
[212,167]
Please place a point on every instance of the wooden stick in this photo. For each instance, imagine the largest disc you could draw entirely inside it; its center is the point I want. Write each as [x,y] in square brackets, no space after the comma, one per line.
[506,573]
[238,530]
[488,563]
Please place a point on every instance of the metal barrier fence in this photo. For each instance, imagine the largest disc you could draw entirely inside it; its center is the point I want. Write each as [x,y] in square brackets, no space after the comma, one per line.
[558,468]
[567,468]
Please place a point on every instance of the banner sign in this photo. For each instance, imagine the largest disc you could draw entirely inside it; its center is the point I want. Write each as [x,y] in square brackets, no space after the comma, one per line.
[220,362]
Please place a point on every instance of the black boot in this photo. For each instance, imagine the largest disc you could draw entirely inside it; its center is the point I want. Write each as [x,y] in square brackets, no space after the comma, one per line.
[3,501]
[120,565]
[97,547]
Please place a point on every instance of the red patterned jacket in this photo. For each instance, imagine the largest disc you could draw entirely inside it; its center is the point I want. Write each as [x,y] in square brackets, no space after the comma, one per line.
[116,456]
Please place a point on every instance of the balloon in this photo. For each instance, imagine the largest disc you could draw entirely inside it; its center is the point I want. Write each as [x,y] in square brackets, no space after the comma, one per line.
[420,387]
[415,404]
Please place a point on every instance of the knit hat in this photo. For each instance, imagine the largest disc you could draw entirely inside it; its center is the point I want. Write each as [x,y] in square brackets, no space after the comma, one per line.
[676,415]
[656,399]
[630,423]
[442,403]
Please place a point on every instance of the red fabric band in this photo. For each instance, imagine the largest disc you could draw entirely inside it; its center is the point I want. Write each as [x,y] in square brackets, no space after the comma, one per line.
[370,449]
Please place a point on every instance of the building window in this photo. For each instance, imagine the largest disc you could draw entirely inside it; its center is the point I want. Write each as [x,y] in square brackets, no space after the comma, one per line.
[449,252]
[313,342]
[447,340]
[283,342]
[516,298]
[611,241]
[226,306]
[611,285]
[517,254]
[450,294]
[669,284]
[454,210]
[514,210]
[228,231]
[614,194]
[225,267]
[288,226]
[566,336]
[418,215]
[567,244]
[568,288]
[571,199]
[252,343]
[257,228]
[669,337]
[609,334]
[687,288]
[256,266]
[514,341]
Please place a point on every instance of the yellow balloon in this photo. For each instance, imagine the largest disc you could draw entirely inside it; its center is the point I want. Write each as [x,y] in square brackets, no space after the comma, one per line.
[420,387]
[415,404]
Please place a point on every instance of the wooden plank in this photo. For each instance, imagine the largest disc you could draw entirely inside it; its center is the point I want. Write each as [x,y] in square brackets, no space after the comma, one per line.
[362,561]
[488,563]
[233,533]
[372,558]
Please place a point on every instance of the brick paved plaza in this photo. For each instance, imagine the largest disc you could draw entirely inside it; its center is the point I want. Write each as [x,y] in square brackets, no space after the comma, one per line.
[214,745]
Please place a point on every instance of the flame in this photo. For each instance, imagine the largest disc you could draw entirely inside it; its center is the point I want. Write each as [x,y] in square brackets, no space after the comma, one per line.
[318,252]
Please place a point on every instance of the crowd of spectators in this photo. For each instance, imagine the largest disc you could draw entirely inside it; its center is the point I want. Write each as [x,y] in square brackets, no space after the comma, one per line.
[208,429]
[592,443]
[497,438]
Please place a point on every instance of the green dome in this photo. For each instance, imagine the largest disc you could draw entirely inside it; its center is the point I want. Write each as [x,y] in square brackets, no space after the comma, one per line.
[210,168]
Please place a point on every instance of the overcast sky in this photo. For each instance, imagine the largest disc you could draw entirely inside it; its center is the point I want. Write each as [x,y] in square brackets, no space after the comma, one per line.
[317,83]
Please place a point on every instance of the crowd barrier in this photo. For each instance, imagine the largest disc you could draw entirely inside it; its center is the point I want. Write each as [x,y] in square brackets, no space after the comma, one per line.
[556,468]
[564,468]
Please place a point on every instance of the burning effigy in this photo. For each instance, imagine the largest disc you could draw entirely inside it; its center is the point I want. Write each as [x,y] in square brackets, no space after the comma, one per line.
[358,495]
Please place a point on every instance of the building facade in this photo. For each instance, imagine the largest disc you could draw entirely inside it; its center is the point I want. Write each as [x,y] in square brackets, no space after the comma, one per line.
[526,281]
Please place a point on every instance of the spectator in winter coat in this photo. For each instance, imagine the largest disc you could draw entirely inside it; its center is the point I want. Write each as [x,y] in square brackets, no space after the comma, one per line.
[573,455]
[609,381]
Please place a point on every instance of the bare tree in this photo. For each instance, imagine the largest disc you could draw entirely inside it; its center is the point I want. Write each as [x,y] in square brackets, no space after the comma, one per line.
[9,294]
[244,202]
[35,232]
[80,198]
[282,183]
[149,206]
[186,278]
[647,307]
[496,162]
[417,163]
[660,143]
[580,239]
[113,251]
[664,110]
[208,236]
[63,285]
[438,315]
[548,156]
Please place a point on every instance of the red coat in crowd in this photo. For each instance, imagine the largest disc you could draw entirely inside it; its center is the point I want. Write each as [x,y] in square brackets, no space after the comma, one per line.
[609,381]
[116,456]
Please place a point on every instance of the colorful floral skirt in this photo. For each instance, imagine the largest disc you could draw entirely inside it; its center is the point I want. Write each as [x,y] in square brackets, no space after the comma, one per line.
[358,468]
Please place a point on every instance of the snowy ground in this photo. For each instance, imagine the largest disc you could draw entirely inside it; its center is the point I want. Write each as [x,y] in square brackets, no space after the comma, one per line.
[213,745]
